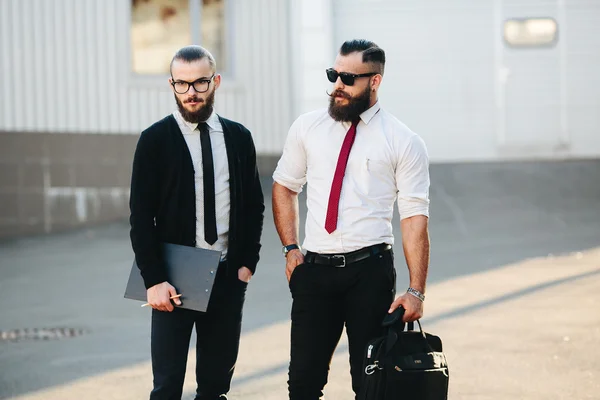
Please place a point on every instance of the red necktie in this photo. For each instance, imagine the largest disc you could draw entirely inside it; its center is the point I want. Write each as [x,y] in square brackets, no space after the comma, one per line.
[336,186]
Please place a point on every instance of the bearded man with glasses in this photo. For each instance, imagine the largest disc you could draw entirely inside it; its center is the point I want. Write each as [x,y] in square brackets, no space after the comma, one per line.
[357,160]
[195,183]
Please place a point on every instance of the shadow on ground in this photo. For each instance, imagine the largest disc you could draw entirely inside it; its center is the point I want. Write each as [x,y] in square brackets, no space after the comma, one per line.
[482,216]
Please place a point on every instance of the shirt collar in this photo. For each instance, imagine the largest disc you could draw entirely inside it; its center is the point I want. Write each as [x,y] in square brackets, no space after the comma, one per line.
[368,115]
[211,121]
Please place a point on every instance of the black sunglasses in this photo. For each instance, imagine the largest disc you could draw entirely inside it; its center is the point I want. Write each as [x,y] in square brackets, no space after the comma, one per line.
[347,78]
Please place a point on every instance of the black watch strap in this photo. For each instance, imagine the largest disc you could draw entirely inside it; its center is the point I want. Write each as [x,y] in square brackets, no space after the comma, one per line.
[289,248]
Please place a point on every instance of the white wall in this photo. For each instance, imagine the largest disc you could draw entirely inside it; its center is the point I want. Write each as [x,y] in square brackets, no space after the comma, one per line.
[314,51]
[439,76]
[65,68]
[581,29]
[444,72]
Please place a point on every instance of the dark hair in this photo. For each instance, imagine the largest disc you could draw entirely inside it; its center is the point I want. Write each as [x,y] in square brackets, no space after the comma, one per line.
[193,53]
[372,53]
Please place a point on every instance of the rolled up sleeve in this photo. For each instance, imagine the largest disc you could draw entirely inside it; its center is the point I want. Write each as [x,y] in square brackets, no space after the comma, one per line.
[412,180]
[291,168]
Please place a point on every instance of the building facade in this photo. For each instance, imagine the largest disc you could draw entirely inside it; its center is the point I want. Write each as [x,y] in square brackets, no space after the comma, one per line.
[479,80]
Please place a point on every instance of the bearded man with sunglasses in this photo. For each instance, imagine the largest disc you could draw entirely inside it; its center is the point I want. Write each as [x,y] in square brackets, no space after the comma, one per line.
[195,183]
[357,161]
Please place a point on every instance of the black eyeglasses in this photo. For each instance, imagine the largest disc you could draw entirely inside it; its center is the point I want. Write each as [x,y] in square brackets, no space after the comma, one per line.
[200,85]
[347,78]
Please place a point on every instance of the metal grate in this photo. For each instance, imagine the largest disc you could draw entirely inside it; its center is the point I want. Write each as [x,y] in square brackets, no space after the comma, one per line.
[17,335]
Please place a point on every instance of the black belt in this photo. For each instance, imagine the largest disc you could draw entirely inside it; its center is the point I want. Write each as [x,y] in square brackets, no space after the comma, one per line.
[341,260]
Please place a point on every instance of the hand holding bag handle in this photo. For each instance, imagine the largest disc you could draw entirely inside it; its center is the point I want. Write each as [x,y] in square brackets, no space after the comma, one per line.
[394,324]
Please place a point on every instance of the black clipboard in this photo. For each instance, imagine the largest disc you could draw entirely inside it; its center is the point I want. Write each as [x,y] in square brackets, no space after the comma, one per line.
[190,270]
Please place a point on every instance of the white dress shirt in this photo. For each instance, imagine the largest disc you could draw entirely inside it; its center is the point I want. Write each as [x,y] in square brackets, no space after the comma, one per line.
[191,134]
[387,162]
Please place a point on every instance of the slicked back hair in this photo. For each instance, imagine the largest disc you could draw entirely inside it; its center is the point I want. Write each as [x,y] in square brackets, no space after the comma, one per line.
[193,53]
[371,53]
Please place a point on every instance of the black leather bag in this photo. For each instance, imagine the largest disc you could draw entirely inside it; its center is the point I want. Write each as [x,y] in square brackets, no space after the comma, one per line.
[404,364]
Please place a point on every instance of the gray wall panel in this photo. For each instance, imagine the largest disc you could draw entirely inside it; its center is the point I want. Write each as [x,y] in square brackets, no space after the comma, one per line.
[65,67]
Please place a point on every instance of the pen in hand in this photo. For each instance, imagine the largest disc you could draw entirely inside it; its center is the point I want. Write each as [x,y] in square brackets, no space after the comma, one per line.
[172,297]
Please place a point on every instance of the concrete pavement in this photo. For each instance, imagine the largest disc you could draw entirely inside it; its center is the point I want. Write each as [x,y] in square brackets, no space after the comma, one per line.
[515,323]
[532,337]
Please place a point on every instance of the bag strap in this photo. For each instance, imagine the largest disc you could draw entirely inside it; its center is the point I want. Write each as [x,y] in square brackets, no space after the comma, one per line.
[390,341]
[393,322]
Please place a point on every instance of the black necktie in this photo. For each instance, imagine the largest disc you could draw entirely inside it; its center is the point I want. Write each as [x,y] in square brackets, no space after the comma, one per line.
[210,219]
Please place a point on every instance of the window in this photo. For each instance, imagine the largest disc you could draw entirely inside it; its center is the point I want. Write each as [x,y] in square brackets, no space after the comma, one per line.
[161,27]
[530,32]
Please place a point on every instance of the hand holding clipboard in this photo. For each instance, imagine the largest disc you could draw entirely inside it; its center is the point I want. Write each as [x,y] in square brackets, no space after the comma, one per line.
[172,297]
[190,270]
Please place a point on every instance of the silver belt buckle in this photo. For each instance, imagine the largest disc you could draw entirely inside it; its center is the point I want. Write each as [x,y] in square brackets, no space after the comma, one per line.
[343,257]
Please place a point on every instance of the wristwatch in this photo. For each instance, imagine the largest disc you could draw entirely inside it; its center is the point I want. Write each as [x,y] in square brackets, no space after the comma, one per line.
[416,293]
[288,248]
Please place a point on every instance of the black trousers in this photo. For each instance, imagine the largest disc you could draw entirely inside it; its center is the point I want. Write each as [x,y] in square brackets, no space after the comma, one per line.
[324,299]
[218,336]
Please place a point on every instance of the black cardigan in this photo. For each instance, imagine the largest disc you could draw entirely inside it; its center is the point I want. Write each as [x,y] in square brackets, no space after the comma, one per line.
[163,197]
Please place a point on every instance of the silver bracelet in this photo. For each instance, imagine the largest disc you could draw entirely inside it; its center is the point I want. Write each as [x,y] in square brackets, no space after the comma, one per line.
[416,293]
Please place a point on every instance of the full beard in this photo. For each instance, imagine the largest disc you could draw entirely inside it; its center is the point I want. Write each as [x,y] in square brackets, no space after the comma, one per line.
[202,113]
[351,111]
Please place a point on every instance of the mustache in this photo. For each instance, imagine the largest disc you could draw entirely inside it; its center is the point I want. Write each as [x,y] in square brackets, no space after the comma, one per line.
[194,99]
[338,93]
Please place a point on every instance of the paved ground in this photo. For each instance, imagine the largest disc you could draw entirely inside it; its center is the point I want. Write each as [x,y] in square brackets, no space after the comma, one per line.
[515,322]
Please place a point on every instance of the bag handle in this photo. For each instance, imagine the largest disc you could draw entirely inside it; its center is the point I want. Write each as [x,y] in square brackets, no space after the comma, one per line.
[393,322]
